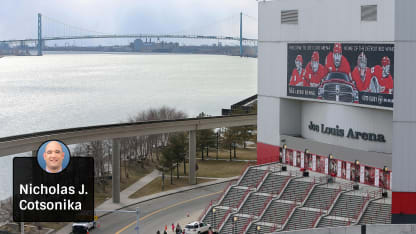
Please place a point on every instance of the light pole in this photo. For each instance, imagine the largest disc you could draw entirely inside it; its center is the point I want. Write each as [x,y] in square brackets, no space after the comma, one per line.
[357,173]
[218,136]
[202,151]
[284,168]
[258,228]
[235,219]
[213,218]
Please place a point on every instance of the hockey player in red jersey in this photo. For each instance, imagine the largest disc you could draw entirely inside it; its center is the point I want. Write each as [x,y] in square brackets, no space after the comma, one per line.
[361,74]
[336,62]
[296,78]
[384,78]
[314,72]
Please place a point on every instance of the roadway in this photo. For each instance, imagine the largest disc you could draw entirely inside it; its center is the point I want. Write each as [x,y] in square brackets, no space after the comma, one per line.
[154,214]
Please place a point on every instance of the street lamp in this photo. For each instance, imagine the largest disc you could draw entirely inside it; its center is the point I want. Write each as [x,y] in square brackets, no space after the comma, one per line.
[235,218]
[384,190]
[258,228]
[213,215]
[357,173]
[306,165]
[284,168]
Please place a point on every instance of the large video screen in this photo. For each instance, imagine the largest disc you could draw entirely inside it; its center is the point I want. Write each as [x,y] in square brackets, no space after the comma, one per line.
[342,72]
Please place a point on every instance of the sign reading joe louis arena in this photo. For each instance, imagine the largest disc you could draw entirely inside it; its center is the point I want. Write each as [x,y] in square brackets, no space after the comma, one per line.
[342,72]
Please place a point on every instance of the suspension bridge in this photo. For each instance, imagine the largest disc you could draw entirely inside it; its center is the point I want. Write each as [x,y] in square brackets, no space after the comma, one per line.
[39,42]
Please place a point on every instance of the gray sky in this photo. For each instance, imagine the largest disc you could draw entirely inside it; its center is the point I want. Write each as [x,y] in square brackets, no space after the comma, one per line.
[18,18]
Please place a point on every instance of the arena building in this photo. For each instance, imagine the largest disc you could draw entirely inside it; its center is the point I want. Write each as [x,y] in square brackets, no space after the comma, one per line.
[325,86]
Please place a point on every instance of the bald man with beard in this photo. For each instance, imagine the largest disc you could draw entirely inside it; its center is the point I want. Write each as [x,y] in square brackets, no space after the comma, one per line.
[53,156]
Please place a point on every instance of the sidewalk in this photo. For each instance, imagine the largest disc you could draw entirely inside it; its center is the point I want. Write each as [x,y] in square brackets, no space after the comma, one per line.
[125,201]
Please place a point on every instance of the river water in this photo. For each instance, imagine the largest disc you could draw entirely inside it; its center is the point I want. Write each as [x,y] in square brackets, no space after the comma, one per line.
[57,91]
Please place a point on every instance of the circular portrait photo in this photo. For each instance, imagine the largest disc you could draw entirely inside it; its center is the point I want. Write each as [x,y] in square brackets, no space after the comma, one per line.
[53,156]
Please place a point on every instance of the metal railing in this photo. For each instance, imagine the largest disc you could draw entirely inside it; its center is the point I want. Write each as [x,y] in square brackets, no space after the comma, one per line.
[287,216]
[220,224]
[243,230]
[308,190]
[204,212]
[222,195]
[243,198]
[316,218]
[243,172]
[262,177]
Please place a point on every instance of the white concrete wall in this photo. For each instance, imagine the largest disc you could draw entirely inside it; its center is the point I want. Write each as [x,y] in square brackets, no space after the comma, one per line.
[326,20]
[290,117]
[404,116]
[346,117]
[268,128]
[319,21]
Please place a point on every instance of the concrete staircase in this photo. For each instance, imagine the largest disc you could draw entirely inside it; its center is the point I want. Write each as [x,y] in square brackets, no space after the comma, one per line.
[263,229]
[283,201]
[348,206]
[254,204]
[276,212]
[328,222]
[377,212]
[302,218]
[273,183]
[231,225]
[296,190]
[321,197]
[233,197]
[215,218]
[252,177]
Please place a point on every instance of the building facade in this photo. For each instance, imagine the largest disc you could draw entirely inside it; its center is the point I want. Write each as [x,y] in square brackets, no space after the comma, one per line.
[335,76]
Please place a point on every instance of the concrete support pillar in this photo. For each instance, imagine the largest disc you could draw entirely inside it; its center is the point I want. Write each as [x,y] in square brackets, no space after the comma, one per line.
[404,115]
[192,157]
[40,34]
[116,170]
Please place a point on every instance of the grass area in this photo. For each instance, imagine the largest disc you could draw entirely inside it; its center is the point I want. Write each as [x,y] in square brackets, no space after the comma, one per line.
[217,169]
[135,171]
[156,186]
[244,154]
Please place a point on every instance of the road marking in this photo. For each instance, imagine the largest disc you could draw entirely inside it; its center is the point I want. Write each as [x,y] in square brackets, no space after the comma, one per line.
[166,208]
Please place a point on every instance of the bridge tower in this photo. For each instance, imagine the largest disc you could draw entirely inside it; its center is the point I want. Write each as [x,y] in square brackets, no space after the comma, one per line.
[39,34]
[241,34]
